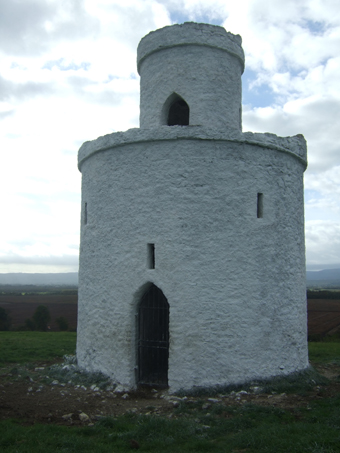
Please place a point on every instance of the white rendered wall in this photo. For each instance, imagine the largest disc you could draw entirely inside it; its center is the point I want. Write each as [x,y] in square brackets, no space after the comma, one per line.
[202,64]
[235,283]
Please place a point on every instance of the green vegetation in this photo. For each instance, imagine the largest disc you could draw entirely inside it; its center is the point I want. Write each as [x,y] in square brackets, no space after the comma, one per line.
[323,294]
[35,289]
[29,325]
[300,383]
[69,372]
[41,317]
[247,428]
[326,351]
[29,290]
[22,347]
[62,323]
[193,427]
[5,319]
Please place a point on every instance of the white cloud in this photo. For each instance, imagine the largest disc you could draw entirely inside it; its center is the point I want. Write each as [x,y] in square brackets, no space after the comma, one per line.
[197,10]
[313,117]
[31,27]
[326,183]
[68,74]
[279,35]
[319,236]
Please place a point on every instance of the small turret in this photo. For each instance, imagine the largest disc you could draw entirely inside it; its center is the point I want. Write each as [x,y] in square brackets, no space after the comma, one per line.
[190,76]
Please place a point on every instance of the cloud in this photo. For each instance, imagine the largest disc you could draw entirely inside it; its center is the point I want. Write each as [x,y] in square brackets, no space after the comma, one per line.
[68,74]
[327,182]
[323,243]
[39,264]
[30,27]
[52,260]
[197,10]
[282,35]
[112,93]
[64,65]
[6,113]
[313,117]
[132,19]
[10,91]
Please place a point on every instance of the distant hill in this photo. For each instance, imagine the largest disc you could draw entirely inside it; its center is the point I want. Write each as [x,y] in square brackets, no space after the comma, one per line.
[63,279]
[327,278]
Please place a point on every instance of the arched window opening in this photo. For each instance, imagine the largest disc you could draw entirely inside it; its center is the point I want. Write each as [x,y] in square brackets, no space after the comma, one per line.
[153,338]
[178,113]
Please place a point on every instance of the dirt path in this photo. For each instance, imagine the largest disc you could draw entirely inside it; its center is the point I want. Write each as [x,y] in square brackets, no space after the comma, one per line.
[26,396]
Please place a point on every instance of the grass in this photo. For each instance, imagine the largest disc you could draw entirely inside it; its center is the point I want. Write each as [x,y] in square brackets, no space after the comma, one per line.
[219,428]
[324,352]
[23,347]
[299,382]
[248,428]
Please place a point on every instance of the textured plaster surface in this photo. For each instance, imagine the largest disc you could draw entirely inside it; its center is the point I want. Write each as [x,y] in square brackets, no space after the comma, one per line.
[200,63]
[295,145]
[235,283]
[190,33]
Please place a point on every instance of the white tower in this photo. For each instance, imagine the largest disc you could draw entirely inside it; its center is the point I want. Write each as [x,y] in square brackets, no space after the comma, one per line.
[192,259]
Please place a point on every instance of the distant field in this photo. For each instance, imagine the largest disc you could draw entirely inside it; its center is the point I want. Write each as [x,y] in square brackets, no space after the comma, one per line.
[22,307]
[323,316]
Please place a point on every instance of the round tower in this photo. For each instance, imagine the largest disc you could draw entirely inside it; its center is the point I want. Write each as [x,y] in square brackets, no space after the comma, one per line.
[192,258]
[194,69]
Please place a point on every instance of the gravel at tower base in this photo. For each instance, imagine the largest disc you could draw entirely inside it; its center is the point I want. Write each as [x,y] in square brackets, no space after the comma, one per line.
[192,256]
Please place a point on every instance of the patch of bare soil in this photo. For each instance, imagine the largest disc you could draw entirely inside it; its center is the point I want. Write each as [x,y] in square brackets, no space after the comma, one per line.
[31,400]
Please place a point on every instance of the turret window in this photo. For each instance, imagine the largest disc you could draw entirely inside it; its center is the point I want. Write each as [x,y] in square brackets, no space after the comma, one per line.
[178,113]
[259,205]
[151,256]
[85,214]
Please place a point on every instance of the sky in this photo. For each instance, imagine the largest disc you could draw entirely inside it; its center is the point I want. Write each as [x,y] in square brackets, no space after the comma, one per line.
[68,74]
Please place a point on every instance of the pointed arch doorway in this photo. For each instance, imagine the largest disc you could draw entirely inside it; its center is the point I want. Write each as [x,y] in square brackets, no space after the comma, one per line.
[153,338]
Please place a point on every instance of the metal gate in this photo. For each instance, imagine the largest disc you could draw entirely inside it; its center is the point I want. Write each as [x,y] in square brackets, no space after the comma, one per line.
[153,338]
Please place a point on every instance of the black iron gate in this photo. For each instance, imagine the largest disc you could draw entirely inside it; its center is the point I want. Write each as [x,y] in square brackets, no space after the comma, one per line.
[153,338]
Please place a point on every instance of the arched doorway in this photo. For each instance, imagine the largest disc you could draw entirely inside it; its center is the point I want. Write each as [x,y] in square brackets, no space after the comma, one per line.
[153,338]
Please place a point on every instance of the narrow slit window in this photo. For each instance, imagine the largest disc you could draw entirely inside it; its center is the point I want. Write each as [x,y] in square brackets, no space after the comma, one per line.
[259,205]
[151,256]
[85,214]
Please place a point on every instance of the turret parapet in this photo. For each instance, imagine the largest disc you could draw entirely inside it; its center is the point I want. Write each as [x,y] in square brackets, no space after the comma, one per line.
[295,145]
[190,33]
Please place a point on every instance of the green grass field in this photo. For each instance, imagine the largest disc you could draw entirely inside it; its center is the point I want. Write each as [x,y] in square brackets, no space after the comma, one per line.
[324,352]
[245,428]
[22,347]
